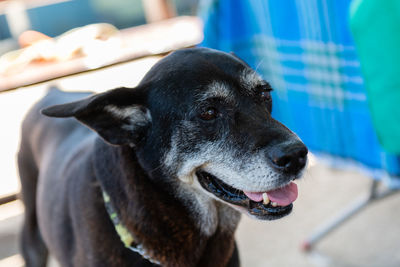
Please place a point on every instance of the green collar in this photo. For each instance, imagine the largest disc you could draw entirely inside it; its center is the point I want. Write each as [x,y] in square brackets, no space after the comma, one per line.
[126,237]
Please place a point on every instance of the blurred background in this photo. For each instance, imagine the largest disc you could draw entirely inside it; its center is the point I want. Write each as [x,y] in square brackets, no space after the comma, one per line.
[334,67]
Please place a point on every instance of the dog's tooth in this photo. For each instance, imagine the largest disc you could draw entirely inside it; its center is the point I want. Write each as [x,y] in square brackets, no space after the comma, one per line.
[274,204]
[265,199]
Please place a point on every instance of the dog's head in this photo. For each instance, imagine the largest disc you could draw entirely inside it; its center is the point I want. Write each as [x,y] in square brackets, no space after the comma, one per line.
[201,119]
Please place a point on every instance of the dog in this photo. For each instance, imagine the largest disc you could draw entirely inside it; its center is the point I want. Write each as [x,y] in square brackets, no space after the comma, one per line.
[162,172]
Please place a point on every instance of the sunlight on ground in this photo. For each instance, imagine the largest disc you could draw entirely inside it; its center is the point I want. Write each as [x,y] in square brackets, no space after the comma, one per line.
[14,261]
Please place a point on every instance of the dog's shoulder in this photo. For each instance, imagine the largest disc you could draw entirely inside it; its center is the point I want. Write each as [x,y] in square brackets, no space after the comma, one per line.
[56,96]
[38,131]
[53,96]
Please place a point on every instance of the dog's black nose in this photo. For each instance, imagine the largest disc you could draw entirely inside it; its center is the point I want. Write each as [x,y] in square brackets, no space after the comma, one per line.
[288,157]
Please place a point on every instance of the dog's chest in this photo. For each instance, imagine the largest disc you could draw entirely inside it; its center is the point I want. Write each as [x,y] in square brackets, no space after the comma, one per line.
[208,214]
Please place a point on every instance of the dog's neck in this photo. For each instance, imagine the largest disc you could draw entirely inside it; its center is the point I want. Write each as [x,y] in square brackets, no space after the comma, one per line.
[166,229]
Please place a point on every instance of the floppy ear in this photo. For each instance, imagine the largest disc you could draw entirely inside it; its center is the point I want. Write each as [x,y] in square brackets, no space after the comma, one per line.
[119,116]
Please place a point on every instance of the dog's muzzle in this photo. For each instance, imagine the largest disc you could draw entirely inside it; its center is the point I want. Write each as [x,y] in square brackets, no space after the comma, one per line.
[263,208]
[269,205]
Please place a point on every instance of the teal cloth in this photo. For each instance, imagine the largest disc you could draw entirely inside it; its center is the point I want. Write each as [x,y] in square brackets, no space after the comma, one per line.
[375,25]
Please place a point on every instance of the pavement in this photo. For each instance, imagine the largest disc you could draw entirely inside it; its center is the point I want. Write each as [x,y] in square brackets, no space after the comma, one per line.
[370,238]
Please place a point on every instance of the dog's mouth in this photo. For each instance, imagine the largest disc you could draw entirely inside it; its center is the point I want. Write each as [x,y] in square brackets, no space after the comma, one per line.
[269,205]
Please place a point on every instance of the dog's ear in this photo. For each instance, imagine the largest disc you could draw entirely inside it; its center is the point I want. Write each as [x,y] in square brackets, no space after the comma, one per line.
[119,116]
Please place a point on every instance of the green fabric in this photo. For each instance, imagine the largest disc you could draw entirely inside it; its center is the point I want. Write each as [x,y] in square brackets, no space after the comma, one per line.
[123,233]
[375,25]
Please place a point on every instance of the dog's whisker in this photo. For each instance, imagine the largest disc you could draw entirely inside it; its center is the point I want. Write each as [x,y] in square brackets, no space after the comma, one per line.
[259,63]
[156,168]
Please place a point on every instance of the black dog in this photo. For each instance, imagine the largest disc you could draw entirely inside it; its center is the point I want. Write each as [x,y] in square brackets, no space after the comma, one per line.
[179,158]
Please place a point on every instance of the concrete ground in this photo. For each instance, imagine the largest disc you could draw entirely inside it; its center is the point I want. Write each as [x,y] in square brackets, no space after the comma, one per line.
[371,238]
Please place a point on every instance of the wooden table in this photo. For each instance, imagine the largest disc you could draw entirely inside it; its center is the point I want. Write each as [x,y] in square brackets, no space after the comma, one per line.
[151,39]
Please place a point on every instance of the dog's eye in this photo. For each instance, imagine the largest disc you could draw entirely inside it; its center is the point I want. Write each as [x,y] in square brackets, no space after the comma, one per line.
[265,95]
[209,113]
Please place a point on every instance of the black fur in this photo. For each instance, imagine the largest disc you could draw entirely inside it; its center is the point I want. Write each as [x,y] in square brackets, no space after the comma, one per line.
[64,166]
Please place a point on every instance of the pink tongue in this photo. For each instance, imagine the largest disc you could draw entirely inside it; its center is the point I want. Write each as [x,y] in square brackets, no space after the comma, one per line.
[283,196]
